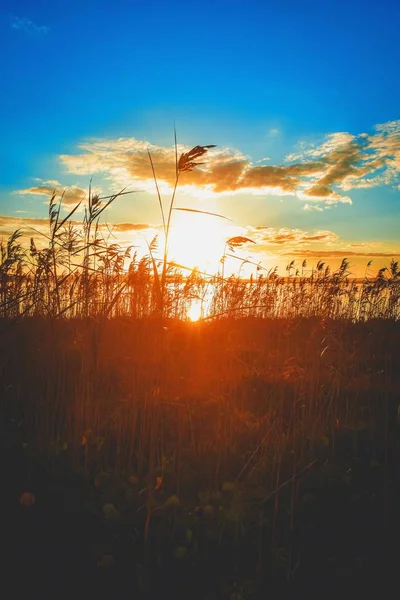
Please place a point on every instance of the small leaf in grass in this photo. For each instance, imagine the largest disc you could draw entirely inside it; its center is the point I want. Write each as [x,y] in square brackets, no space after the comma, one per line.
[230,515]
[106,561]
[172,502]
[143,578]
[108,508]
[101,479]
[347,478]
[229,486]
[216,498]
[110,512]
[180,552]
[324,350]
[27,499]
[309,500]
[211,535]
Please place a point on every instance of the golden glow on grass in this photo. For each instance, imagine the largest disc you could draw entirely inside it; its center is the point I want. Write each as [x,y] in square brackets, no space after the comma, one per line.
[198,240]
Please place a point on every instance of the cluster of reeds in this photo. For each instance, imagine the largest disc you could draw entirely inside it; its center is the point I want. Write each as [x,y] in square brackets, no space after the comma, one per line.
[81,276]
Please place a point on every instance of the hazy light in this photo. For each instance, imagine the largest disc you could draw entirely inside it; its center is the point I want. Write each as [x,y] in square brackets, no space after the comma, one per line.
[195,311]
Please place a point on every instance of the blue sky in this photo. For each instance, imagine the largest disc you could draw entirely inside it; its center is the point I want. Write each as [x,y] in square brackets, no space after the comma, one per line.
[258,79]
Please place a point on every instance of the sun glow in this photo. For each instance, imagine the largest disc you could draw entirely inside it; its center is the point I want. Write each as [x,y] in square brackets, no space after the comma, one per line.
[195,310]
[198,241]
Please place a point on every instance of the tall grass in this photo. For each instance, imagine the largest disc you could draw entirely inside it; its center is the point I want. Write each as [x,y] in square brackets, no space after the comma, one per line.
[112,281]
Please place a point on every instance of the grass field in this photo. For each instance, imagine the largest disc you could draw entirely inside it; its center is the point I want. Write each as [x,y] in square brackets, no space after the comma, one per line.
[243,451]
[251,451]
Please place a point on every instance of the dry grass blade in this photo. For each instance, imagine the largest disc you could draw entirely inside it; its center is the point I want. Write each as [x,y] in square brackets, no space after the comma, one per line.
[203,212]
[157,282]
[160,203]
[69,215]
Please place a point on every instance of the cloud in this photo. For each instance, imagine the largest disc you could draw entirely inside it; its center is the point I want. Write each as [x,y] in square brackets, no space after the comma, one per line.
[71,196]
[320,175]
[27,26]
[224,171]
[313,207]
[122,227]
[285,178]
[365,244]
[339,254]
[281,243]
[264,236]
[385,144]
[17,222]
[27,226]
[12,223]
[352,162]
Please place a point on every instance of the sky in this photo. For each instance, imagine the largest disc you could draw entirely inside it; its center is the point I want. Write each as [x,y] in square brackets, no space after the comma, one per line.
[300,99]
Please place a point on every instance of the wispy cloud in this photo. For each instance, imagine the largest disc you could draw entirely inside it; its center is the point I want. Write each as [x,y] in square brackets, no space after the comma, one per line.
[40,226]
[266,236]
[365,244]
[26,226]
[313,207]
[339,254]
[28,26]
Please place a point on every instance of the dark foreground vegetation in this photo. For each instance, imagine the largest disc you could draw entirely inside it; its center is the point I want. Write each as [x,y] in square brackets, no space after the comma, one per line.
[235,458]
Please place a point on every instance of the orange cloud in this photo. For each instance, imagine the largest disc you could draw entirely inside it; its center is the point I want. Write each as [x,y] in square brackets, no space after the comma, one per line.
[365,244]
[264,236]
[224,171]
[71,196]
[28,226]
[10,224]
[339,254]
[122,227]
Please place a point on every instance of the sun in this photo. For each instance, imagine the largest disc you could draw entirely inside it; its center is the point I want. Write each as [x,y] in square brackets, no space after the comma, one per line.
[198,240]
[195,311]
